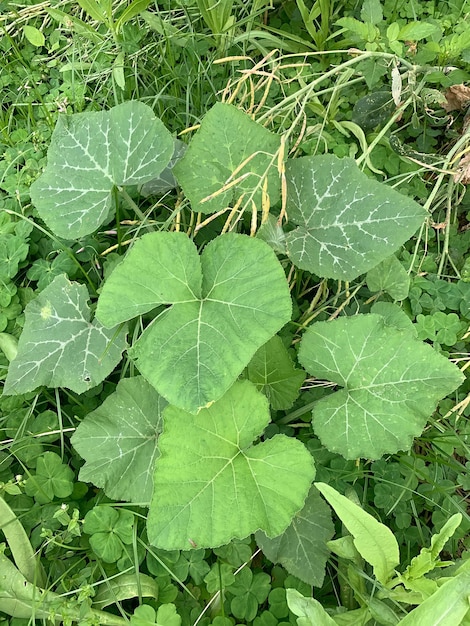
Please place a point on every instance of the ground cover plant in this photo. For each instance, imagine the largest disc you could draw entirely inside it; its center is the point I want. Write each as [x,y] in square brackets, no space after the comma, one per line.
[235,305]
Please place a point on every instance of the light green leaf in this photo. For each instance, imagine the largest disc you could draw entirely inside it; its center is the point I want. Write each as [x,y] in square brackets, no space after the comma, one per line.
[309,610]
[374,541]
[34,36]
[301,548]
[213,485]
[273,372]
[124,587]
[446,607]
[119,441]
[59,347]
[372,11]
[414,31]
[389,276]
[347,222]
[90,153]
[428,557]
[223,310]
[109,529]
[135,7]
[394,316]
[227,139]
[391,384]
[93,9]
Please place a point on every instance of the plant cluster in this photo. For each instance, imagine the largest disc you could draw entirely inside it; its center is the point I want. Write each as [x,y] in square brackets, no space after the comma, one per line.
[234,313]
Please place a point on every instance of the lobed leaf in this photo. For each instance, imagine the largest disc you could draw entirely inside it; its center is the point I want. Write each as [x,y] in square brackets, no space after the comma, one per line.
[346,222]
[59,346]
[301,548]
[90,154]
[119,441]
[223,309]
[213,485]
[229,146]
[391,384]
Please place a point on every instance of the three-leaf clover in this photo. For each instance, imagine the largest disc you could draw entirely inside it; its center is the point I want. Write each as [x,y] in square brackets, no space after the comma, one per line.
[53,479]
[110,530]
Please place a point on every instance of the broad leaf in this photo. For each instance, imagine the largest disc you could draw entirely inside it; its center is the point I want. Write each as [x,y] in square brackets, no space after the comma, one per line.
[229,146]
[213,485]
[301,548]
[223,310]
[90,154]
[273,372]
[59,346]
[309,611]
[374,541]
[391,384]
[347,222]
[389,276]
[119,441]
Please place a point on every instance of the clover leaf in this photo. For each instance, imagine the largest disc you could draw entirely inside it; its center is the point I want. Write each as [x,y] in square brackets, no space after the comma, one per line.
[212,484]
[109,531]
[52,479]
[223,309]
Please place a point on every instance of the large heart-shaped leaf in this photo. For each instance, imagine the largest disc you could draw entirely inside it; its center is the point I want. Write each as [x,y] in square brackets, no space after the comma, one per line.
[119,441]
[301,548]
[347,222]
[59,346]
[230,156]
[90,153]
[391,384]
[212,484]
[226,304]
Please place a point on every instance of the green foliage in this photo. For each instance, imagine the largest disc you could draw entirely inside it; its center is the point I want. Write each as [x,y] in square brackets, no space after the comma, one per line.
[325,339]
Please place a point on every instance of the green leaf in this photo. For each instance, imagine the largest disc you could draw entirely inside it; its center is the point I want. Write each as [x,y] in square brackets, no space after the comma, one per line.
[124,587]
[223,310]
[34,36]
[301,548]
[389,276]
[347,222]
[391,384]
[212,484]
[13,250]
[273,372]
[227,139]
[447,606]
[59,347]
[119,441]
[414,31]
[109,530]
[52,479]
[394,316]
[93,9]
[427,559]
[309,610]
[374,541]
[373,110]
[135,7]
[372,11]
[90,153]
